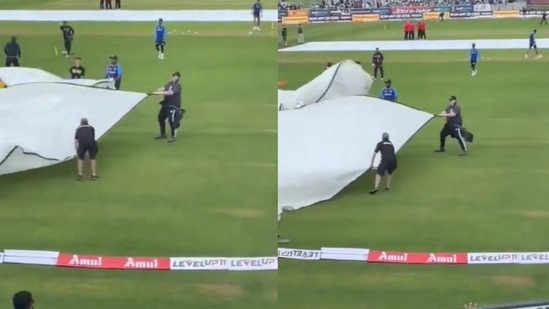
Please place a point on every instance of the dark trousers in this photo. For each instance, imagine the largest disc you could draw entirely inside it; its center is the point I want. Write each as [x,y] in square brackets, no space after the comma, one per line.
[454,131]
[101,4]
[108,4]
[118,4]
[68,46]
[173,114]
[378,68]
[91,149]
[409,35]
[387,167]
[162,116]
[12,62]
[421,34]
[160,46]
[543,20]
[117,83]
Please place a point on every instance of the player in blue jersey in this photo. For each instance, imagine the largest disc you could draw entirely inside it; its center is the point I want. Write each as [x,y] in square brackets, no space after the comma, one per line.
[257,12]
[532,44]
[388,93]
[114,72]
[160,38]
[474,56]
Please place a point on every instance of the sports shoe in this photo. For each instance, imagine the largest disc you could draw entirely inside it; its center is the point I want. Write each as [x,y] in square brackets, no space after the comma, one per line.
[463,153]
[171,140]
[94,177]
[283,240]
[374,191]
[79,177]
[161,136]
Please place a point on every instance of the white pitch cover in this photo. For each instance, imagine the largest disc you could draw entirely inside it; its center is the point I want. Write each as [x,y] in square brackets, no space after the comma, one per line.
[13,76]
[346,78]
[38,121]
[324,147]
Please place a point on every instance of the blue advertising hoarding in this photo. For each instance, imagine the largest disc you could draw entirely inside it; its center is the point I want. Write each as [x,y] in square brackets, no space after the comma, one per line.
[324,16]
[371,11]
[319,12]
[470,14]
[400,16]
[442,9]
[462,8]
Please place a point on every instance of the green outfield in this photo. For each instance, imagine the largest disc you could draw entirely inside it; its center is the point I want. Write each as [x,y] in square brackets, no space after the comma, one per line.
[210,194]
[492,200]
[132,5]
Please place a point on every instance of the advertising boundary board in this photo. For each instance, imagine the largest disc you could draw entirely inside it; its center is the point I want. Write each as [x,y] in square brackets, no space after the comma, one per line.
[402,14]
[266,263]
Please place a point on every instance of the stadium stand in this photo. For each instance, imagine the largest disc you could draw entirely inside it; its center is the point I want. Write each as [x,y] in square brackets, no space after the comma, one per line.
[345,4]
[537,4]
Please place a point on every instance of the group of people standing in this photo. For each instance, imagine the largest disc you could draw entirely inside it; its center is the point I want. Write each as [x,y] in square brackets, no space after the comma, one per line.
[410,30]
[107,4]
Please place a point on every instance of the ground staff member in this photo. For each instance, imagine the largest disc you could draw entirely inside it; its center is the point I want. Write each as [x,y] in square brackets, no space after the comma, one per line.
[12,50]
[85,143]
[377,63]
[114,72]
[388,162]
[170,107]
[68,37]
[453,126]
[284,33]
[77,71]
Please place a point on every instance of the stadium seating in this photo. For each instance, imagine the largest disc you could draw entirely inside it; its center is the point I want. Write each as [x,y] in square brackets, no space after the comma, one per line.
[296,4]
[537,4]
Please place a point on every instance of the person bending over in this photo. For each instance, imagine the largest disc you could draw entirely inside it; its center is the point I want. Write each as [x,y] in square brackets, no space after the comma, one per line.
[85,144]
[388,163]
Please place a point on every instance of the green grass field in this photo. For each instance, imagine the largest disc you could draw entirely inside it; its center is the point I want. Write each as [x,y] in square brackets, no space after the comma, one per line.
[210,194]
[492,200]
[132,4]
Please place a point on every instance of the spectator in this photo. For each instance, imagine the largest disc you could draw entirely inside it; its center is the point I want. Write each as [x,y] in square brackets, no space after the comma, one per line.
[23,300]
